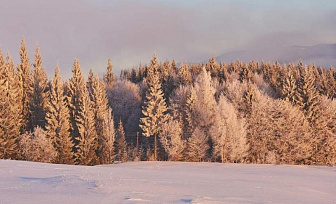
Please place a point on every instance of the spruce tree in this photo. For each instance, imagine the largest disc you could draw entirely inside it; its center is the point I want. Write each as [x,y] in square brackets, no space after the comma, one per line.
[10,109]
[100,109]
[109,137]
[57,121]
[109,77]
[26,85]
[121,144]
[39,96]
[308,98]
[154,109]
[82,125]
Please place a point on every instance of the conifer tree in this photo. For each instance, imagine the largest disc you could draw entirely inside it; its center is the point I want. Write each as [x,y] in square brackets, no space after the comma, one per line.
[289,89]
[99,99]
[121,144]
[88,139]
[26,85]
[109,77]
[197,146]
[171,139]
[154,109]
[10,109]
[39,96]
[89,82]
[109,137]
[82,126]
[184,74]
[308,98]
[57,121]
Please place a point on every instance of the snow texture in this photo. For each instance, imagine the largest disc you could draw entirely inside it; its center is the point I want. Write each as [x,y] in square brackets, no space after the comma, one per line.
[165,182]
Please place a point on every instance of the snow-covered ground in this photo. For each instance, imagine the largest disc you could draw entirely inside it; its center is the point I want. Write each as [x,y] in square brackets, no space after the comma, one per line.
[165,182]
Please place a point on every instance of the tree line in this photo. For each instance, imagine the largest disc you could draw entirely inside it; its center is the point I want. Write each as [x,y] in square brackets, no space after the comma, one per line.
[254,112]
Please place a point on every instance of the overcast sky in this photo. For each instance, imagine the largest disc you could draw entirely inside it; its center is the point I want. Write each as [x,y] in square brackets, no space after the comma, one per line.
[129,32]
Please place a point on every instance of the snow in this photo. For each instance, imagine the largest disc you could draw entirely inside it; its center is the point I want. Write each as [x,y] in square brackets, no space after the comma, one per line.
[165,182]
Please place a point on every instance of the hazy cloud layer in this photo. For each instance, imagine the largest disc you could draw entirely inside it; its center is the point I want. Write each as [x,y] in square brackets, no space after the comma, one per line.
[131,31]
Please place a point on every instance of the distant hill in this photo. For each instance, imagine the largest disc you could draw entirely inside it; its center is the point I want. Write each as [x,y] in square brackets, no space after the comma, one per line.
[322,55]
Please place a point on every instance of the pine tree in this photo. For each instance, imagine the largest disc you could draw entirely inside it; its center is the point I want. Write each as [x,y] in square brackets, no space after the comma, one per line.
[109,137]
[289,89]
[99,99]
[121,144]
[57,121]
[171,139]
[88,139]
[26,85]
[308,98]
[10,109]
[154,109]
[197,146]
[38,100]
[184,75]
[82,126]
[109,77]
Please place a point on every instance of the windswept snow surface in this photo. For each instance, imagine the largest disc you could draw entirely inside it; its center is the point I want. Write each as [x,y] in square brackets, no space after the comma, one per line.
[165,182]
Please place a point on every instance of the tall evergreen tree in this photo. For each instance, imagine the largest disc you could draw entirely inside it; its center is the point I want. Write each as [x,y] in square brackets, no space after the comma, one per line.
[82,127]
[100,109]
[154,109]
[38,102]
[109,77]
[109,137]
[26,85]
[9,112]
[57,121]
[307,95]
[121,144]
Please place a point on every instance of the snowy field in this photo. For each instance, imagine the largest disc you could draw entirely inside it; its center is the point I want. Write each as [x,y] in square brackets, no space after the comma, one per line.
[165,182]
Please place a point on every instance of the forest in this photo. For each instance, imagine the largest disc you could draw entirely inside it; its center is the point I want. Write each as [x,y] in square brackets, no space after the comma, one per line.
[229,112]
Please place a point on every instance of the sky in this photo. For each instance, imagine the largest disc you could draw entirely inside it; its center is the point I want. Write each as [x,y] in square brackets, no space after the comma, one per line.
[130,32]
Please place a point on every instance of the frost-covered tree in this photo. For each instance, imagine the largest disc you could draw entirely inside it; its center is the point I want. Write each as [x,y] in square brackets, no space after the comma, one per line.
[109,137]
[184,74]
[25,81]
[36,146]
[10,111]
[57,121]
[154,109]
[88,139]
[228,133]
[38,101]
[121,144]
[100,108]
[109,77]
[125,100]
[197,146]
[308,98]
[171,139]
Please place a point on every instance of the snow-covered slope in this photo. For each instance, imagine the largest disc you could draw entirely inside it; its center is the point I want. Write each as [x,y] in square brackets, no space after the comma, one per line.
[165,182]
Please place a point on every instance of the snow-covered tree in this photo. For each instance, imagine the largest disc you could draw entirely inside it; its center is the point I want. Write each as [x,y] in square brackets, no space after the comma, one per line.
[25,81]
[38,101]
[36,146]
[109,137]
[228,133]
[57,121]
[109,77]
[121,144]
[171,139]
[10,111]
[197,146]
[154,109]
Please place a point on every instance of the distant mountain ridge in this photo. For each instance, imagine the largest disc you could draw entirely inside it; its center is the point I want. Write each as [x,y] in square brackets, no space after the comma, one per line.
[322,55]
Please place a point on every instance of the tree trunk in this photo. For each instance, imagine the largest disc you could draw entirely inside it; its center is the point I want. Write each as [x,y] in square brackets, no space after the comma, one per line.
[155,148]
